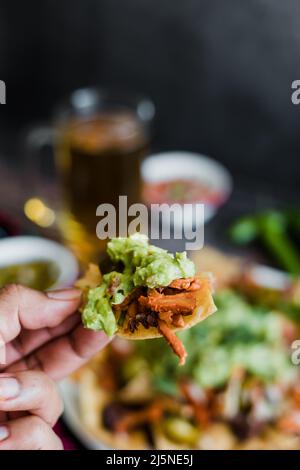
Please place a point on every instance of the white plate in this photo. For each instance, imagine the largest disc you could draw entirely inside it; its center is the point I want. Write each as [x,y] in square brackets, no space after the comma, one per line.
[69,393]
[24,249]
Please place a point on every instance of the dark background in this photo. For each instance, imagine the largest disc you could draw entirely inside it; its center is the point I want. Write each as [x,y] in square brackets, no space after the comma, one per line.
[219,71]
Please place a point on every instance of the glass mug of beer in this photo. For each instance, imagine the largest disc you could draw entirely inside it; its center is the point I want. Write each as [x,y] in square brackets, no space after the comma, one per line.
[99,138]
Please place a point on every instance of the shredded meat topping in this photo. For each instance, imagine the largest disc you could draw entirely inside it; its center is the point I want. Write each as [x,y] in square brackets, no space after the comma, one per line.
[189,284]
[163,308]
[183,303]
[172,319]
[168,317]
[173,341]
[178,321]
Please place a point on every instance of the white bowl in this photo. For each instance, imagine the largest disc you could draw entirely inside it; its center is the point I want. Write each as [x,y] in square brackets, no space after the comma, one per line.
[24,249]
[70,396]
[167,166]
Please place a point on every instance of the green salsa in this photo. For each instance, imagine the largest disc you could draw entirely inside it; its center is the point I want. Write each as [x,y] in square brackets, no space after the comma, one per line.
[40,274]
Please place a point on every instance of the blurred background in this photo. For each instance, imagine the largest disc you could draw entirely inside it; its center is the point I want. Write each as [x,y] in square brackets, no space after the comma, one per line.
[202,76]
[220,74]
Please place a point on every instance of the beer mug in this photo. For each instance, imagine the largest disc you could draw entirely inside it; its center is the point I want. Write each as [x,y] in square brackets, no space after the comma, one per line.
[99,138]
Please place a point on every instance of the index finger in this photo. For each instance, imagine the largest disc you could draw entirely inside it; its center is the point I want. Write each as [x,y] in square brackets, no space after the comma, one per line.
[21,307]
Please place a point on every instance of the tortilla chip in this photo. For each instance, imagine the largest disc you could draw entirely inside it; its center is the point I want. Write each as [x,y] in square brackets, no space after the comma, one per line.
[91,278]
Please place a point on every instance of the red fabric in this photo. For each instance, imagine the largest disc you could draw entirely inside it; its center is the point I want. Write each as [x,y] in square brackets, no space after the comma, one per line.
[68,441]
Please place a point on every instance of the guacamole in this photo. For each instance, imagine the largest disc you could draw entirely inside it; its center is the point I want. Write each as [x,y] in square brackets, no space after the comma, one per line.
[143,265]
[239,335]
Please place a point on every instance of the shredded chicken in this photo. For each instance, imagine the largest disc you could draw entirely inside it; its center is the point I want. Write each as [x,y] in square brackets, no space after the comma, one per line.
[189,284]
[168,317]
[172,319]
[183,303]
[178,321]
[173,341]
[163,308]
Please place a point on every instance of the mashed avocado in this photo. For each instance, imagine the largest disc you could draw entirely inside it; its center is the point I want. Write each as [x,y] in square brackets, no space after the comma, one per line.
[147,264]
[144,265]
[239,335]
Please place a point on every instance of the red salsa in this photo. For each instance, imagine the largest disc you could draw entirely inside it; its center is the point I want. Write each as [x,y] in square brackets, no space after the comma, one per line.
[181,191]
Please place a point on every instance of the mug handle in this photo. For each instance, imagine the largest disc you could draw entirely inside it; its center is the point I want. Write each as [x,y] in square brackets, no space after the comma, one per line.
[42,204]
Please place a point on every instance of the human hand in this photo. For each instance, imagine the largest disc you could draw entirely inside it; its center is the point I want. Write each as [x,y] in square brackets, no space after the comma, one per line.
[44,341]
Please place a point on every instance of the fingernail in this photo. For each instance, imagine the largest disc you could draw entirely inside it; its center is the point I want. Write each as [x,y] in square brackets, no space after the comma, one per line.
[66,294]
[9,388]
[4,433]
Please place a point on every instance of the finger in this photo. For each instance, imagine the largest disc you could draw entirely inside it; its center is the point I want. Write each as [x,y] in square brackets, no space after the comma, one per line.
[28,433]
[75,349]
[30,391]
[62,356]
[28,340]
[23,307]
